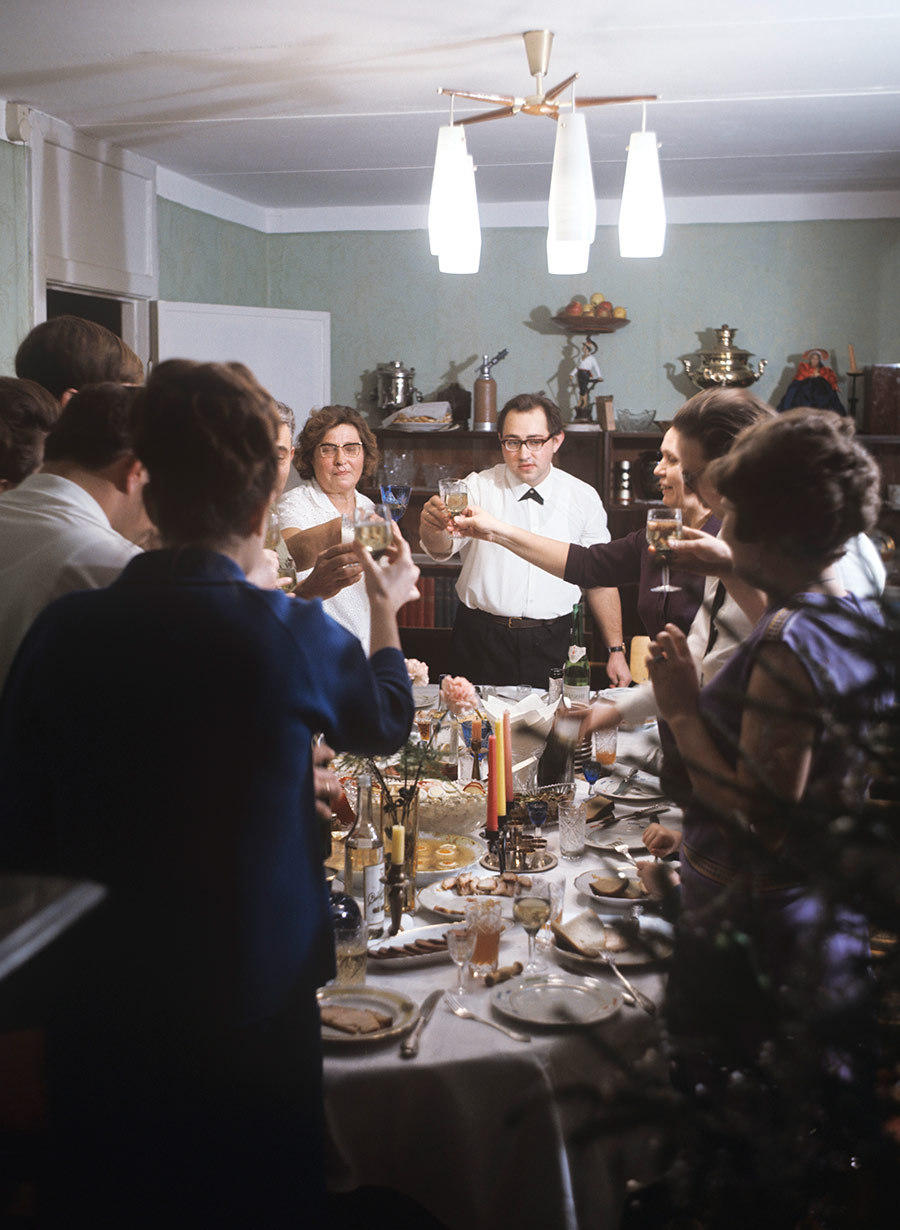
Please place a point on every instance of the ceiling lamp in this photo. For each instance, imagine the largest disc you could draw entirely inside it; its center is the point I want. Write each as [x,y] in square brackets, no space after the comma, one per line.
[572,208]
[454,230]
[642,214]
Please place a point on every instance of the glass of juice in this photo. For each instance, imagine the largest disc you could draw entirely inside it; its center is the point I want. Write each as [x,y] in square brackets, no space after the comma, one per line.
[484,916]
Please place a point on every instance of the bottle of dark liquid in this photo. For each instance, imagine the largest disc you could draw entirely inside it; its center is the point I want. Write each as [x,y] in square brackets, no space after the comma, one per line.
[364,860]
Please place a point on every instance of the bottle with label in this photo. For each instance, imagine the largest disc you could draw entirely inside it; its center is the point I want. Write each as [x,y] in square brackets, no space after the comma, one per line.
[577,670]
[555,684]
[364,860]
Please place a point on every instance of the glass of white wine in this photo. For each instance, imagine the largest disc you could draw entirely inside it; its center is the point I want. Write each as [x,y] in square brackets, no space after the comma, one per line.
[372,527]
[531,908]
[461,946]
[455,495]
[663,525]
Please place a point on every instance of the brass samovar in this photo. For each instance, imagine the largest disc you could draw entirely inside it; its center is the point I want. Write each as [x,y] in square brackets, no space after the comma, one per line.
[726,367]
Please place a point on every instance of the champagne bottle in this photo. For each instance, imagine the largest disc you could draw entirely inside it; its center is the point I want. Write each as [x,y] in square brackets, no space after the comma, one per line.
[577,670]
[364,860]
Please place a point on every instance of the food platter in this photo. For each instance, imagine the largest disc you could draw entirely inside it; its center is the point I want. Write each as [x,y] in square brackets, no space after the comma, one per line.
[557,999]
[382,963]
[438,857]
[449,904]
[403,1012]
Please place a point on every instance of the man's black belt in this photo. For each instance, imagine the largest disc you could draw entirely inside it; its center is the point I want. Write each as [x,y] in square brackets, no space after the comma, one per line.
[515,621]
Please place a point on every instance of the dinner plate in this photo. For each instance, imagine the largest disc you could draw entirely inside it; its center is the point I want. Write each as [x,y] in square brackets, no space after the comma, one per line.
[449,904]
[403,1011]
[442,855]
[641,789]
[557,999]
[600,838]
[655,942]
[609,905]
[383,964]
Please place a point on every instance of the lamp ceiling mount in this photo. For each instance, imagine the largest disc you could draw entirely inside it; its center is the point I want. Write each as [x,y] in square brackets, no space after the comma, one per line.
[537,48]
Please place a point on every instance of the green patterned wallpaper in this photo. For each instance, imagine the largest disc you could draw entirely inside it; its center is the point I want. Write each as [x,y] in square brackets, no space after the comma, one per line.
[15,273]
[784,286]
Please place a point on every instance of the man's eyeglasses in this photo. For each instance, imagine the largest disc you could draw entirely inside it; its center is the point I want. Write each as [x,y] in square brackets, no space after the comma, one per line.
[512,444]
[330,451]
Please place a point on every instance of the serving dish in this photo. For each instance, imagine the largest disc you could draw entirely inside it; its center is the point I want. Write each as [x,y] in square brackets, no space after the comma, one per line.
[380,962]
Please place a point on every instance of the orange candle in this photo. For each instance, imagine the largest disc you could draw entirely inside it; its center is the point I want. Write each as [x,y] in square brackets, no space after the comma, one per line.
[492,785]
[476,728]
[852,355]
[507,758]
[501,771]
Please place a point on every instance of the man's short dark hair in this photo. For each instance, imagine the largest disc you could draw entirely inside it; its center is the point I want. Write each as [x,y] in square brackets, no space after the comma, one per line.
[207,433]
[533,401]
[27,413]
[95,428]
[69,352]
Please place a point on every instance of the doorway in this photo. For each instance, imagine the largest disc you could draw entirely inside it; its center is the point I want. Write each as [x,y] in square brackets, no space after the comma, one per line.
[101,311]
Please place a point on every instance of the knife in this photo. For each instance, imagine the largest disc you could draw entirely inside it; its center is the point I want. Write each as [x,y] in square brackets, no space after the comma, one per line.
[409,1047]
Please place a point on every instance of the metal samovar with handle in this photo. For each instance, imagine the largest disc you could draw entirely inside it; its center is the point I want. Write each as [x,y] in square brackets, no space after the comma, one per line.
[726,367]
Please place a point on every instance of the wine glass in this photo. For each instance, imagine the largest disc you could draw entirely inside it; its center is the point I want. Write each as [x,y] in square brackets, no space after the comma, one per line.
[531,908]
[461,946]
[396,497]
[537,813]
[663,524]
[372,527]
[593,770]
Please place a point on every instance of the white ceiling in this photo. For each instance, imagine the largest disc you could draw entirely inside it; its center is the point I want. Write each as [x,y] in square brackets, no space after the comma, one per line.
[291,105]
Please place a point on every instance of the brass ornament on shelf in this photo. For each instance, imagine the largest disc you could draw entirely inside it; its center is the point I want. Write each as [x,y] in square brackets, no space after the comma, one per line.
[726,367]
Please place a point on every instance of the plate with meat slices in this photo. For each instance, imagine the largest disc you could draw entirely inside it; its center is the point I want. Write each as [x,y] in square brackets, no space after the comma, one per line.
[364,1014]
[408,949]
[448,897]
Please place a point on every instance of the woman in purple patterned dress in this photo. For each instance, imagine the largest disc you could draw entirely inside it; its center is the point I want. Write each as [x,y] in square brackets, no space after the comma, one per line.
[769,991]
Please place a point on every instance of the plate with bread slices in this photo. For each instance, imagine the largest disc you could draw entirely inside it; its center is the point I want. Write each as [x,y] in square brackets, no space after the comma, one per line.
[354,1015]
[447,897]
[642,941]
[409,949]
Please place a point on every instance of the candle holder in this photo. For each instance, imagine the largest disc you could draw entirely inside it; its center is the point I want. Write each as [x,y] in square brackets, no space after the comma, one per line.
[402,807]
[396,882]
[512,849]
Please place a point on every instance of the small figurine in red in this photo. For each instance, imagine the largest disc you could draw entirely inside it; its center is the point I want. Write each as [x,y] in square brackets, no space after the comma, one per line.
[815,384]
[813,364]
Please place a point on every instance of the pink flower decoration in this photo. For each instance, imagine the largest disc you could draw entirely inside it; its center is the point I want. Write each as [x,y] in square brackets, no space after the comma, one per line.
[417,671]
[458,694]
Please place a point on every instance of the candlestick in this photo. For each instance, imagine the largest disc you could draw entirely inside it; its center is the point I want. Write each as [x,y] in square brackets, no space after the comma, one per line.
[492,784]
[507,759]
[501,772]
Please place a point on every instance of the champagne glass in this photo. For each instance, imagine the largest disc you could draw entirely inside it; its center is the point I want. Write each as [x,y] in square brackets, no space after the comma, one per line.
[396,497]
[663,524]
[461,946]
[372,527]
[531,908]
[455,495]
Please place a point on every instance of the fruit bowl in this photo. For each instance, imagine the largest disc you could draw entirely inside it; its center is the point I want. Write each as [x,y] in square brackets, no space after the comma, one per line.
[635,420]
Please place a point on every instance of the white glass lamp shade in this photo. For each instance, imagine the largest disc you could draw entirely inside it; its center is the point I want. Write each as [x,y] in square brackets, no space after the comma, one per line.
[449,164]
[572,208]
[567,256]
[642,214]
[460,237]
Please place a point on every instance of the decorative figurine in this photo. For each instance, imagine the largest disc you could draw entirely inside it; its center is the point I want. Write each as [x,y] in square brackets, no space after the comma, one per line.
[587,374]
[815,384]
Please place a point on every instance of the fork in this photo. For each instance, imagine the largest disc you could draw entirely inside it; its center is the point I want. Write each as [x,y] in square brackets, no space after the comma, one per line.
[458,1010]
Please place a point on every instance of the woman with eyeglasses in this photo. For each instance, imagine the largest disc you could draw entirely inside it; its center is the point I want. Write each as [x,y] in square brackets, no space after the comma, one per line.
[334,451]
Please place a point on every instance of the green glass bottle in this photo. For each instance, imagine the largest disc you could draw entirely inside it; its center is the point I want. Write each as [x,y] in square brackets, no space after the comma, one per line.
[577,670]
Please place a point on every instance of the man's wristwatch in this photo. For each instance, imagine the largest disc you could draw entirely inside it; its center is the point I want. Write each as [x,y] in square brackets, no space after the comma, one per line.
[615,648]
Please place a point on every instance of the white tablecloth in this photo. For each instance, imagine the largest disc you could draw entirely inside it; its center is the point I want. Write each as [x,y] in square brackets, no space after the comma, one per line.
[487,1132]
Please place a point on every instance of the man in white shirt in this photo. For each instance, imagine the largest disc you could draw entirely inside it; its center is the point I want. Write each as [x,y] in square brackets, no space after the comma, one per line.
[513,623]
[74,524]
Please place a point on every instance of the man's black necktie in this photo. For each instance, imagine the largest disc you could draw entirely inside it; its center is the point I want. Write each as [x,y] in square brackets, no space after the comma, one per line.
[532,494]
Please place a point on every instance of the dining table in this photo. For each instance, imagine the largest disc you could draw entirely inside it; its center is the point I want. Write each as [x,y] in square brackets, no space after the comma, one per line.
[483,1130]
